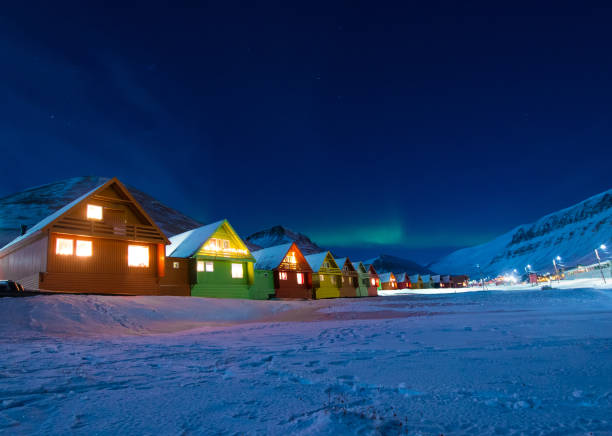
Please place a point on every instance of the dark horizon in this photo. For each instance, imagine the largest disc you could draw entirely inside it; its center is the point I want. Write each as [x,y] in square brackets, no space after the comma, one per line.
[396,130]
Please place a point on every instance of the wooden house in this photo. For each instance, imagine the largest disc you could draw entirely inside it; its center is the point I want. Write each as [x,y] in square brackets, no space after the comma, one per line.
[218,261]
[374,280]
[459,281]
[350,278]
[282,271]
[436,281]
[387,281]
[363,280]
[402,280]
[326,276]
[427,282]
[445,281]
[415,281]
[102,242]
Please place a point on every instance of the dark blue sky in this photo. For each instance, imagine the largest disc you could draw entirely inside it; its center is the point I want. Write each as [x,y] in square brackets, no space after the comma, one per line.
[372,127]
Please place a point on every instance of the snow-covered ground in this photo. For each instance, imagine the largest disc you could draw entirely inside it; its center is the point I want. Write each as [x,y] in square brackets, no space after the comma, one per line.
[523,362]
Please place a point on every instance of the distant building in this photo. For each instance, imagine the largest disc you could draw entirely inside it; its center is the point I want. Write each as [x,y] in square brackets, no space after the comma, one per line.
[387,281]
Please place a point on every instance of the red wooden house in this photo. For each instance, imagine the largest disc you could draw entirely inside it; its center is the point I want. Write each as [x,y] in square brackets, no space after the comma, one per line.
[402,280]
[290,273]
[374,280]
[102,242]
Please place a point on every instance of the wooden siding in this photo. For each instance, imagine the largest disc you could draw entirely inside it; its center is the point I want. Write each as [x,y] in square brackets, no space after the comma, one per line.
[329,287]
[176,281]
[103,283]
[26,263]
[290,288]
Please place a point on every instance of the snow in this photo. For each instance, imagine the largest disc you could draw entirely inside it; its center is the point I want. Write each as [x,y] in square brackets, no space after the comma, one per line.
[187,244]
[520,362]
[270,258]
[316,260]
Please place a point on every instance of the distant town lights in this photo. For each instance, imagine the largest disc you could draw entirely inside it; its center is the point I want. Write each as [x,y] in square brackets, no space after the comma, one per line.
[558,257]
[602,246]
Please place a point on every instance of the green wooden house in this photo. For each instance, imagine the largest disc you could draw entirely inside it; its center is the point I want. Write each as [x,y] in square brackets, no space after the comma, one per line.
[326,276]
[364,279]
[220,264]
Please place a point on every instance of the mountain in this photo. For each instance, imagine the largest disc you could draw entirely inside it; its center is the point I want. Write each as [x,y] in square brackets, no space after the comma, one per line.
[387,263]
[572,233]
[32,205]
[278,235]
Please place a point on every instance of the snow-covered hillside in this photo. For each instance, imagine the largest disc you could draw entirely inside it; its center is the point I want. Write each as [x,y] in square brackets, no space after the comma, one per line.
[32,205]
[278,235]
[387,263]
[572,233]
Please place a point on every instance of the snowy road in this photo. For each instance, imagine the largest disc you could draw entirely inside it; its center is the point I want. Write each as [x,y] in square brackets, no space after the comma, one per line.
[525,362]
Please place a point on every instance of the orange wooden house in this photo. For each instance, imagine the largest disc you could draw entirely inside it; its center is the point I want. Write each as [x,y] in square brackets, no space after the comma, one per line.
[102,242]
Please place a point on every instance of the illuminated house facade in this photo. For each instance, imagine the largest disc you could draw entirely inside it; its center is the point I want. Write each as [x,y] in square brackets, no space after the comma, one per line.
[416,282]
[219,262]
[102,242]
[363,280]
[402,281]
[374,280]
[350,278]
[326,276]
[387,281]
[282,272]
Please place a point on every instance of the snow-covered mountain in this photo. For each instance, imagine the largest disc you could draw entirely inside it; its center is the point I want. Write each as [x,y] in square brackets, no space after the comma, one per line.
[387,263]
[572,233]
[278,235]
[32,205]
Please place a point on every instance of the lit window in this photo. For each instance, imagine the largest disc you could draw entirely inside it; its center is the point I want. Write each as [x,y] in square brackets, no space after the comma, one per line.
[94,212]
[138,255]
[334,279]
[219,244]
[300,279]
[291,258]
[373,281]
[226,245]
[209,267]
[176,265]
[237,272]
[282,275]
[64,247]
[84,248]
[200,266]
[321,277]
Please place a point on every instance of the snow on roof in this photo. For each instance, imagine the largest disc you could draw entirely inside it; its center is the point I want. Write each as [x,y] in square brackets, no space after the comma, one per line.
[356,264]
[341,261]
[426,277]
[414,278]
[316,260]
[436,278]
[55,215]
[385,277]
[187,244]
[270,258]
[401,277]
[367,265]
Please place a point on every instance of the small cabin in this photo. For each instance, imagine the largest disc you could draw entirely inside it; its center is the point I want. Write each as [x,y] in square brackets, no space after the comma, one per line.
[459,281]
[326,276]
[402,280]
[387,281]
[374,280]
[282,272]
[218,262]
[363,280]
[415,281]
[445,281]
[350,278]
[427,282]
[102,242]
[436,281]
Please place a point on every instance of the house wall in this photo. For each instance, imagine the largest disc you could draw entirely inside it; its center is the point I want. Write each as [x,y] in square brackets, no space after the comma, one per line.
[290,288]
[364,284]
[220,284]
[326,288]
[263,285]
[176,281]
[348,286]
[25,263]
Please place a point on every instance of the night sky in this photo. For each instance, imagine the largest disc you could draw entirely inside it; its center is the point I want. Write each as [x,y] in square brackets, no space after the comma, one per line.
[409,129]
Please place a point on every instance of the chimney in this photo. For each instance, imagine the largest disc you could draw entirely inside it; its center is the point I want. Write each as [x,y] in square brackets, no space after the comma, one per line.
[24,229]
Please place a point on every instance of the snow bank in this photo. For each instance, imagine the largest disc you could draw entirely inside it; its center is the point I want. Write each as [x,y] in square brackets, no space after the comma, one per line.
[113,315]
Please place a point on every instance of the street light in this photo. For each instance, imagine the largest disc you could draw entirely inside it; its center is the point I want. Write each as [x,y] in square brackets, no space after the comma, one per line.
[602,247]
[558,258]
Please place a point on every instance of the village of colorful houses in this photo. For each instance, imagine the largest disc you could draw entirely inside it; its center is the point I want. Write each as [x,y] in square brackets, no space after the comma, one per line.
[105,242]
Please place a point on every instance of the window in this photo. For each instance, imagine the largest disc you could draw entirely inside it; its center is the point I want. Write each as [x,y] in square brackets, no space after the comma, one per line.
[176,265]
[200,266]
[237,272]
[94,212]
[64,247]
[321,277]
[326,265]
[291,258]
[343,279]
[282,275]
[209,267]
[373,281]
[334,279]
[226,245]
[84,248]
[138,256]
[300,278]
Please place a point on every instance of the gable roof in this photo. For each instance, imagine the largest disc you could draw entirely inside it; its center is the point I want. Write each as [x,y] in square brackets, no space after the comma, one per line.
[316,260]
[369,266]
[271,257]
[45,222]
[358,265]
[401,277]
[385,277]
[188,243]
[344,261]
[414,278]
[426,277]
